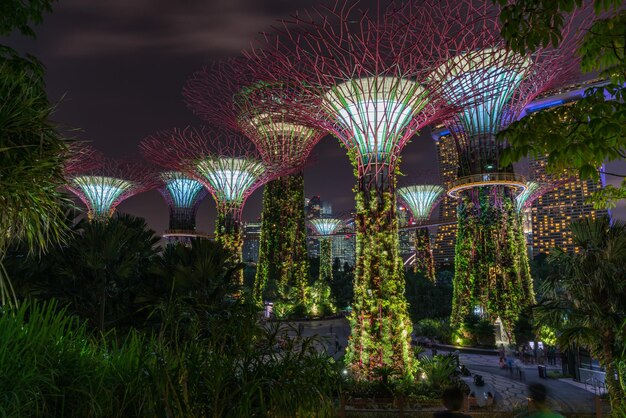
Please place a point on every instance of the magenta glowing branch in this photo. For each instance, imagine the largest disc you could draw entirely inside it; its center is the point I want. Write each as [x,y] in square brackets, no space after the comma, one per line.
[225,163]
[226,95]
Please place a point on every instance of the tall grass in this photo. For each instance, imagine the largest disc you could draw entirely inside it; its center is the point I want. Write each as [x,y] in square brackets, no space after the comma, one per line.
[52,367]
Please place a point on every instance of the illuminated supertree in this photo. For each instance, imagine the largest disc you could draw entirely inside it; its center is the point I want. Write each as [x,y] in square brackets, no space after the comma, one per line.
[102,183]
[366,81]
[421,199]
[324,227]
[183,196]
[491,264]
[225,95]
[227,165]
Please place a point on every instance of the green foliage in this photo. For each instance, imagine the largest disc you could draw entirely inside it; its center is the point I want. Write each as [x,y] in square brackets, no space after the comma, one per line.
[100,273]
[54,368]
[438,371]
[586,298]
[530,24]
[19,15]
[380,324]
[228,235]
[283,258]
[579,137]
[491,261]
[434,329]
[424,261]
[31,157]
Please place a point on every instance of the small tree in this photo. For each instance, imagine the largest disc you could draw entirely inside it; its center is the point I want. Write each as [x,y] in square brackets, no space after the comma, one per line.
[586,298]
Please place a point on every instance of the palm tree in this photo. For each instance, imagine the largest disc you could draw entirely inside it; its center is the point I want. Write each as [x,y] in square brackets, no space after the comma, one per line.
[586,298]
[101,272]
[31,161]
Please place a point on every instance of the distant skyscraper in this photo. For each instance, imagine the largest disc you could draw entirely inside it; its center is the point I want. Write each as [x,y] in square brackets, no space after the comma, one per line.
[552,212]
[445,240]
[251,236]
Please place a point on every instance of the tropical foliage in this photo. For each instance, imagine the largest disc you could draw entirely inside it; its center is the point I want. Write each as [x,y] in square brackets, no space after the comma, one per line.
[585,300]
[579,137]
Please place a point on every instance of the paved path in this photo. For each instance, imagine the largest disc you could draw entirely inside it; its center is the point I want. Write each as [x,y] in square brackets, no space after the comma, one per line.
[511,392]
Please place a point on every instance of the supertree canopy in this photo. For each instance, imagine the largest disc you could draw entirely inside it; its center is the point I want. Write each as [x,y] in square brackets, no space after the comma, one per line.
[421,200]
[368,81]
[226,95]
[182,195]
[102,184]
[320,293]
[491,262]
[227,165]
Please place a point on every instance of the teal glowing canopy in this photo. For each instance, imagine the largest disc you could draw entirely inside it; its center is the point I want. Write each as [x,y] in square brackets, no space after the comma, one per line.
[483,82]
[230,179]
[374,112]
[100,194]
[183,191]
[326,226]
[421,199]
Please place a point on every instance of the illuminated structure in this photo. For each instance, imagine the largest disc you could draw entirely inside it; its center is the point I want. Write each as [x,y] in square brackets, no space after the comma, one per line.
[364,84]
[102,184]
[421,199]
[228,166]
[491,263]
[325,227]
[445,240]
[182,195]
[226,95]
[554,210]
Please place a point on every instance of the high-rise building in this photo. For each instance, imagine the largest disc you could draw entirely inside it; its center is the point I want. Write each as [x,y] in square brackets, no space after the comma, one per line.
[445,240]
[552,212]
[251,238]
[405,236]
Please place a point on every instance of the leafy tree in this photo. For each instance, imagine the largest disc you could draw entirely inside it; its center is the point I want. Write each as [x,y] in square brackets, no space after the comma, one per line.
[581,136]
[100,273]
[586,298]
[19,15]
[31,159]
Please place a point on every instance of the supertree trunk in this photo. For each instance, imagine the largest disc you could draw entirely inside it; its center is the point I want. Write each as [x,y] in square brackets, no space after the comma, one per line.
[228,234]
[379,321]
[283,259]
[491,262]
[424,261]
[320,292]
[326,260]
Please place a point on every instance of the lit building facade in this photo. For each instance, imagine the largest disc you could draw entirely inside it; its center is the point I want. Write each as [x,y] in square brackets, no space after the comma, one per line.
[445,239]
[552,212]
[251,238]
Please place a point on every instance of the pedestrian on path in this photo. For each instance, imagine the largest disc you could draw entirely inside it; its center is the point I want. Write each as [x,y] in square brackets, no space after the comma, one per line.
[453,401]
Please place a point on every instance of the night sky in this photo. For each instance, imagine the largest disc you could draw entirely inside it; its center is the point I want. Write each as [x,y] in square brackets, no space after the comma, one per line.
[116,69]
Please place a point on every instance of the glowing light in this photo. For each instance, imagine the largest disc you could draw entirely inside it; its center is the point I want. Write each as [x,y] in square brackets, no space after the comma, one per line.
[230,178]
[522,198]
[489,77]
[545,105]
[101,192]
[375,111]
[421,199]
[326,226]
[181,188]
